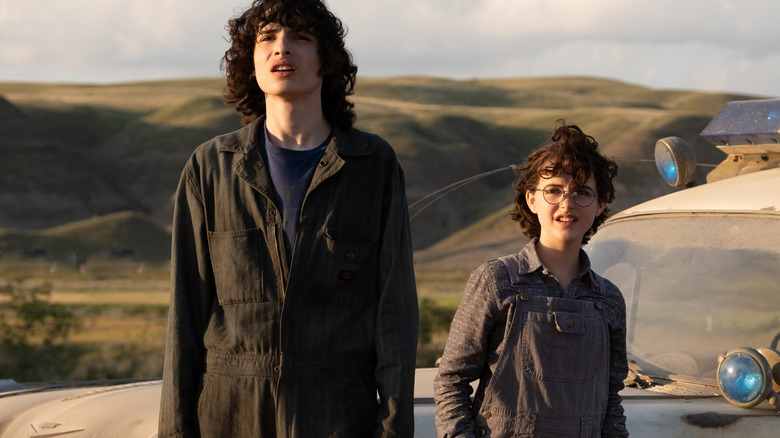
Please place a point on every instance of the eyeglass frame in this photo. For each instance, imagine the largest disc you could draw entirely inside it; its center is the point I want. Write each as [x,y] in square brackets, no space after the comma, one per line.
[571,193]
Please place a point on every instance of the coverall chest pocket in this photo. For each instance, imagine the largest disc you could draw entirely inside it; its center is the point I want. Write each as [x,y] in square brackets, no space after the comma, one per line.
[562,345]
[346,268]
[237,262]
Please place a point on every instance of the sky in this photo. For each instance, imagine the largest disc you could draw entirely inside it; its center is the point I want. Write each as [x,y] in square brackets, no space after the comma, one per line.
[703,45]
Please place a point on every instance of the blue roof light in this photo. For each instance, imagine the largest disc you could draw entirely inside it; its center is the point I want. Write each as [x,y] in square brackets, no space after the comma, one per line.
[745,122]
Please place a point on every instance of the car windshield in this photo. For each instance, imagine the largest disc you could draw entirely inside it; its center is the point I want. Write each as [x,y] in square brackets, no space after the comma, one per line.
[695,287]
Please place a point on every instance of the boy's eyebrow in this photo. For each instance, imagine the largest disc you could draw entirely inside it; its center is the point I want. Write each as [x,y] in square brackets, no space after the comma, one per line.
[269,28]
[276,28]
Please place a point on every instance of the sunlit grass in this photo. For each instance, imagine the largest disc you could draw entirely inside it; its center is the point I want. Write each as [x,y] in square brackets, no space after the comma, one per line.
[123,320]
[111,326]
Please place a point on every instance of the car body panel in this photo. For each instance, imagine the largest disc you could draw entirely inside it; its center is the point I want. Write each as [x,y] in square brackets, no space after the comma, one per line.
[130,410]
[93,410]
[753,192]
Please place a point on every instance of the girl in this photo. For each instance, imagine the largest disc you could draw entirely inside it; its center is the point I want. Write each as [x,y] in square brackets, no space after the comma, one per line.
[543,333]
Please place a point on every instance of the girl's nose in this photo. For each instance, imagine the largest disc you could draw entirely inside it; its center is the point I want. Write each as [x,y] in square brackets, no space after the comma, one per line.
[568,199]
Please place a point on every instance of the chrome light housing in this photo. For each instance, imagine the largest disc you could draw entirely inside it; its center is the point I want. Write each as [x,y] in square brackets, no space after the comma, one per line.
[748,376]
[676,161]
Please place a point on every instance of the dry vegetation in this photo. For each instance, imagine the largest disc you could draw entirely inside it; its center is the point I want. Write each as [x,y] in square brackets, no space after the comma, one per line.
[111,157]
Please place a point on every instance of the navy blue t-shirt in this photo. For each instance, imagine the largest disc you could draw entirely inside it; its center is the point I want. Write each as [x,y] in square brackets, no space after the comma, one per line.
[291,172]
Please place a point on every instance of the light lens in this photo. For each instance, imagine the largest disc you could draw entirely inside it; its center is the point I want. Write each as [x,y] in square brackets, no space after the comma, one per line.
[745,377]
[667,167]
[741,378]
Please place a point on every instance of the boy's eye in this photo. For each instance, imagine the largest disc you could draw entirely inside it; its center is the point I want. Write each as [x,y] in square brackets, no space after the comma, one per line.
[265,36]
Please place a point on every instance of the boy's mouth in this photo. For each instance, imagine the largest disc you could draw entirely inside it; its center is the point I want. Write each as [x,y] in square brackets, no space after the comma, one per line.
[283,67]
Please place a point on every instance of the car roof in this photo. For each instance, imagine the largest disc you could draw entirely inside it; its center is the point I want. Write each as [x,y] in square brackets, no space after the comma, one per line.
[757,192]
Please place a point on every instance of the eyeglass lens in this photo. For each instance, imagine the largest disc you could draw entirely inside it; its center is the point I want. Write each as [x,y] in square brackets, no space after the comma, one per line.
[581,197]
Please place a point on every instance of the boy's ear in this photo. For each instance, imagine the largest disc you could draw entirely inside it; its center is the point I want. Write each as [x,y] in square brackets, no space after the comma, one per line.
[602,206]
[530,199]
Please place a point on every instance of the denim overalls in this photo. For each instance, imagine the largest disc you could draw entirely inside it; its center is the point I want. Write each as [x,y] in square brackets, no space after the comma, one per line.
[552,379]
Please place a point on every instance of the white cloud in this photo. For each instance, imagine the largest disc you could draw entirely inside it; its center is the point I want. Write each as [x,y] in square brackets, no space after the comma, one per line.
[721,45]
[666,43]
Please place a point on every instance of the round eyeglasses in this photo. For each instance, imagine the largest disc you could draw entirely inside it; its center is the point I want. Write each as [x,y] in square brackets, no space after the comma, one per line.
[554,195]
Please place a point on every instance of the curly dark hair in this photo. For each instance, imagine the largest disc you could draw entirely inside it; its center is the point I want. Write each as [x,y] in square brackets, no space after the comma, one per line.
[573,152]
[312,16]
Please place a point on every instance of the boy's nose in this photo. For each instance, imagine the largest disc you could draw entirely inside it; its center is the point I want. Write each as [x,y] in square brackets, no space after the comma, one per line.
[282,49]
[282,45]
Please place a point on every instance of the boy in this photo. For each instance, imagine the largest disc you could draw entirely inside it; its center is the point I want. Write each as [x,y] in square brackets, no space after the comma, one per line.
[543,333]
[293,301]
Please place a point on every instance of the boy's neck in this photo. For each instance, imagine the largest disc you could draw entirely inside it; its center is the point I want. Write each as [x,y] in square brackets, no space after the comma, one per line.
[296,125]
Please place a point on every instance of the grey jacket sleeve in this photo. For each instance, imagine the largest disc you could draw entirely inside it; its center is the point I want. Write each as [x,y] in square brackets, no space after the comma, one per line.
[465,357]
[614,425]
[396,319]
[191,288]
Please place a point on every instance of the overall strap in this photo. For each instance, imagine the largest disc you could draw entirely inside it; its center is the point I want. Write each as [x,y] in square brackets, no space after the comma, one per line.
[599,283]
[512,264]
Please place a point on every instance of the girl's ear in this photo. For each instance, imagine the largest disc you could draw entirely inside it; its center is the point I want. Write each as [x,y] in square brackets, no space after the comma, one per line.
[601,208]
[530,199]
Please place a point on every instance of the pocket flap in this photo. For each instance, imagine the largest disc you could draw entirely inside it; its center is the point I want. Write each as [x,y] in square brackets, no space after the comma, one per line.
[567,322]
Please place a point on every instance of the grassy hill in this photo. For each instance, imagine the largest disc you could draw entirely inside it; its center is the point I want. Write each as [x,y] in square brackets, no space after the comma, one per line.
[124,238]
[73,156]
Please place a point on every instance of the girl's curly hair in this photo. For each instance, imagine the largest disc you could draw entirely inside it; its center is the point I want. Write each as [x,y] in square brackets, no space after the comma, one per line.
[312,16]
[573,152]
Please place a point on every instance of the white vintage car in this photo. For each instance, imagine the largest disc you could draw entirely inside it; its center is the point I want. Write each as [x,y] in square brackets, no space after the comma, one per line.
[700,271]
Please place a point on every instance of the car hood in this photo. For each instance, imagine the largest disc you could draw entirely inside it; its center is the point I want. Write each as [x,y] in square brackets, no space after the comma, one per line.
[130,410]
[123,410]
[753,192]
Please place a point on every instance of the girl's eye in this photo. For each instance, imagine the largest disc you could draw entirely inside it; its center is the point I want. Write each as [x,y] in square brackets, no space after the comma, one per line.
[554,191]
[584,192]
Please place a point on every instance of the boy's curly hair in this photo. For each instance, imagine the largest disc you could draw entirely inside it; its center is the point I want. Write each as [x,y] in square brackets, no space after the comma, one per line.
[573,152]
[312,16]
